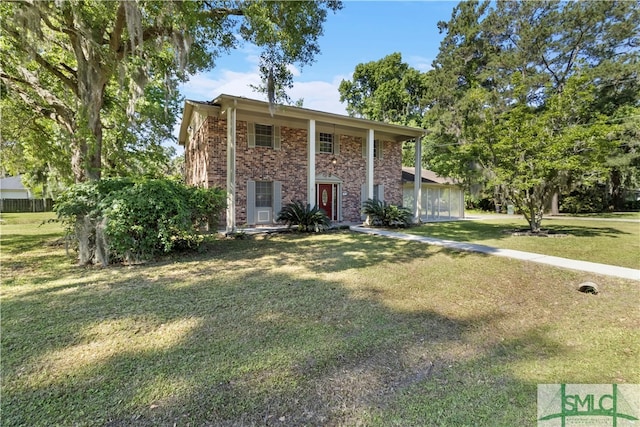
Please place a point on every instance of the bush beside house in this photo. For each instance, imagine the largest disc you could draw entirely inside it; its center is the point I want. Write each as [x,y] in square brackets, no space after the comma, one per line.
[127,220]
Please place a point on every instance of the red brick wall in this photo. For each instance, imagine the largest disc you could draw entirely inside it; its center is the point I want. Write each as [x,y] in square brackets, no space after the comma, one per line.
[289,166]
[196,157]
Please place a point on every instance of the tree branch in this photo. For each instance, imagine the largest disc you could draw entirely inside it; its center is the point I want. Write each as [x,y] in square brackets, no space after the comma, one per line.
[71,83]
[548,67]
[115,38]
[574,54]
[59,29]
[222,11]
[49,98]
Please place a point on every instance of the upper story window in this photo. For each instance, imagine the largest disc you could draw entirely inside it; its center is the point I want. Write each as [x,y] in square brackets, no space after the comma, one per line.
[264,135]
[377,148]
[326,142]
[261,135]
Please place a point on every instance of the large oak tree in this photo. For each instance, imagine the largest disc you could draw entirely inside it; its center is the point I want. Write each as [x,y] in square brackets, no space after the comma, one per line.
[81,65]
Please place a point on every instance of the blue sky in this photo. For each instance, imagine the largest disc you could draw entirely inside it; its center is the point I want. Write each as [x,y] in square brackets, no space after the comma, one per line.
[362,31]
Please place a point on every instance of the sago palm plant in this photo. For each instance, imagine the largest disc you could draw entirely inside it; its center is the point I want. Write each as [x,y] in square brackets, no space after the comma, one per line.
[382,214]
[304,217]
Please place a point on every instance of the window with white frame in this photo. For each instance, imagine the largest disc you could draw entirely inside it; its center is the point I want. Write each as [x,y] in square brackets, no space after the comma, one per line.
[264,135]
[325,142]
[377,149]
[264,194]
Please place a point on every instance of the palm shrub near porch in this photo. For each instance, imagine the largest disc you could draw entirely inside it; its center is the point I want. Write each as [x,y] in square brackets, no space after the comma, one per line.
[304,217]
[385,215]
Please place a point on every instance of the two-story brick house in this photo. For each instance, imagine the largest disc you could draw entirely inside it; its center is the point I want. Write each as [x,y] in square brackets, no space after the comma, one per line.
[266,160]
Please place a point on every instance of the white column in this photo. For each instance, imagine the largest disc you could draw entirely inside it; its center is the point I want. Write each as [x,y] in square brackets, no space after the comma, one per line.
[311,170]
[369,172]
[231,169]
[417,182]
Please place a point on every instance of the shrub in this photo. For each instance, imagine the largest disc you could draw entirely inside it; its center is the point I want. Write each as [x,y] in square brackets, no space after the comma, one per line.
[584,200]
[127,220]
[382,214]
[304,217]
[78,208]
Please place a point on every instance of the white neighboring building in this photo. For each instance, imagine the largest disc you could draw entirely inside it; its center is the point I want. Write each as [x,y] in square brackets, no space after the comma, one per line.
[12,188]
[441,200]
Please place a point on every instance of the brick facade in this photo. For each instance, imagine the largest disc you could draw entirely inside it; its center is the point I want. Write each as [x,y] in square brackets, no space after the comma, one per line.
[206,156]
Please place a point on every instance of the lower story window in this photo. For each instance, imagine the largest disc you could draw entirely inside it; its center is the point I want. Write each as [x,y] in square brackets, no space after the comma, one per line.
[264,194]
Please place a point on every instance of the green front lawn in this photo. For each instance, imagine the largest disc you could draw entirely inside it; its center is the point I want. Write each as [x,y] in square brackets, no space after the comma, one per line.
[606,242]
[335,329]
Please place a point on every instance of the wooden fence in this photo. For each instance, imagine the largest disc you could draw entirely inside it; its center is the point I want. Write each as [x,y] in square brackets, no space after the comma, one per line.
[26,205]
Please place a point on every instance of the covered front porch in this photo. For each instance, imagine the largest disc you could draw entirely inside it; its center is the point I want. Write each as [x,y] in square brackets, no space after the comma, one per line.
[344,160]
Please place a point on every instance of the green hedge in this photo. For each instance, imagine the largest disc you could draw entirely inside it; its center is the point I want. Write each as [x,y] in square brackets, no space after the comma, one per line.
[132,220]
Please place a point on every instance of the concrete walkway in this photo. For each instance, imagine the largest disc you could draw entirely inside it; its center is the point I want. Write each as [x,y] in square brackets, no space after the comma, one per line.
[590,267]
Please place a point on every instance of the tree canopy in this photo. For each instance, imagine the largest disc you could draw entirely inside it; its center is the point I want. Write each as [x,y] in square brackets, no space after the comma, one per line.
[92,84]
[387,90]
[528,98]
[522,95]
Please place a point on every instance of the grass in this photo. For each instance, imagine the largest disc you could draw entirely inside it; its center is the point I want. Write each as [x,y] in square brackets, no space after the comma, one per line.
[334,329]
[623,215]
[595,240]
[615,215]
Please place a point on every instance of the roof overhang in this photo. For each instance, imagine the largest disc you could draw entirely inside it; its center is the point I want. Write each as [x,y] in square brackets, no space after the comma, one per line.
[428,177]
[296,116]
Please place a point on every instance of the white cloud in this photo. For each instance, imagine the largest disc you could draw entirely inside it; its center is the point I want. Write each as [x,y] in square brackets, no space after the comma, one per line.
[202,87]
[293,70]
[420,63]
[317,95]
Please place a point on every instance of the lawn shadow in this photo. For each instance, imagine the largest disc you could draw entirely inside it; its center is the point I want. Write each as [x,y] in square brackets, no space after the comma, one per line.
[19,243]
[256,333]
[239,348]
[274,350]
[473,231]
[330,252]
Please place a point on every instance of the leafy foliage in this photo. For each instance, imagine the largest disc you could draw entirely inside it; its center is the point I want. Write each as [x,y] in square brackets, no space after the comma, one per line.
[139,219]
[382,214]
[100,96]
[304,217]
[527,97]
[387,90]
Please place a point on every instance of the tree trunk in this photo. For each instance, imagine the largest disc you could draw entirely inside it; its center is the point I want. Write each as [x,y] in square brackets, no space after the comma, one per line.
[554,204]
[531,204]
[92,76]
[617,201]
[94,155]
[78,156]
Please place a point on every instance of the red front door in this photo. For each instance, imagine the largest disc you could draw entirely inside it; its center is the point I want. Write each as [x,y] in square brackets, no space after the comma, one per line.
[325,199]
